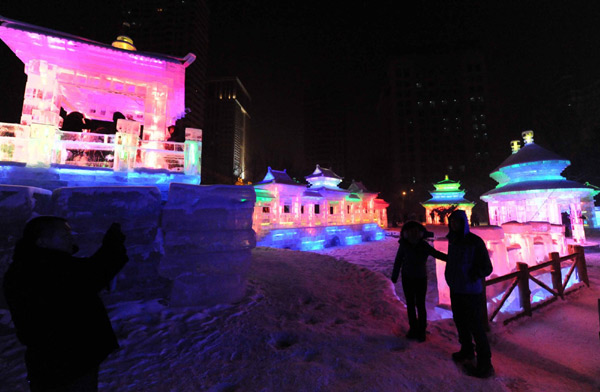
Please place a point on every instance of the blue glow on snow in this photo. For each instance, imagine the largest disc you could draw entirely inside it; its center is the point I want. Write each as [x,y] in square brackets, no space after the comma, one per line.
[379,236]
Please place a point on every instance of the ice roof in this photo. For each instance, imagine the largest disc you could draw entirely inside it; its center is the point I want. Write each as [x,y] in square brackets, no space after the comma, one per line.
[358,186]
[323,172]
[434,201]
[311,193]
[539,185]
[531,152]
[277,177]
[28,34]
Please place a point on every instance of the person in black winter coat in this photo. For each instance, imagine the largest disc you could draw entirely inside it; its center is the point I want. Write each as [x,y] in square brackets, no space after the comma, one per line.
[467,265]
[411,259]
[54,303]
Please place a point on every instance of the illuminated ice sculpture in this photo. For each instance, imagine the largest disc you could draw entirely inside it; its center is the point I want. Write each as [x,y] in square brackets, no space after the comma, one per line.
[447,193]
[531,189]
[97,80]
[526,210]
[288,214]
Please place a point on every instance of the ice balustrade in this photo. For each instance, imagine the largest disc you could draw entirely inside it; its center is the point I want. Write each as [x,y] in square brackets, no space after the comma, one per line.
[42,145]
[536,286]
[509,245]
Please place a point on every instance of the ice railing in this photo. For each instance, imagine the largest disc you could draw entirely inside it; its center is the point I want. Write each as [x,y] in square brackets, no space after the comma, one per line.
[42,145]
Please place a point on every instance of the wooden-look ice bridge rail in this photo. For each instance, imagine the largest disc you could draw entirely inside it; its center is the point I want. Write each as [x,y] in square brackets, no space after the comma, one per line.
[521,277]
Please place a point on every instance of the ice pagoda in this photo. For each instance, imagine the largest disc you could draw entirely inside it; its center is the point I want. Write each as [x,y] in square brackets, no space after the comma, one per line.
[447,193]
[288,214]
[531,189]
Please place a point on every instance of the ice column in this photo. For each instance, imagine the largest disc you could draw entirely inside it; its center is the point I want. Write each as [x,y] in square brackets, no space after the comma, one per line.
[192,151]
[41,111]
[208,237]
[126,142]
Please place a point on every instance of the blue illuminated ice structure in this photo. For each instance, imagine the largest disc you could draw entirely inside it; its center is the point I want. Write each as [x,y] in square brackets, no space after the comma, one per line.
[317,238]
[59,176]
[291,215]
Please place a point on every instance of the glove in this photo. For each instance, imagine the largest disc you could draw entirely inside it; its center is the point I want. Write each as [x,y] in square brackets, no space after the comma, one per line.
[114,236]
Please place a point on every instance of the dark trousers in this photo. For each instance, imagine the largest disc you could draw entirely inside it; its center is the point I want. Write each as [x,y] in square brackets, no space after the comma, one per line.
[414,292]
[467,313]
[86,383]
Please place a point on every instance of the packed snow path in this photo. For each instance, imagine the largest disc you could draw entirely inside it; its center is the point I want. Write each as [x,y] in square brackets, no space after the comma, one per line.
[314,323]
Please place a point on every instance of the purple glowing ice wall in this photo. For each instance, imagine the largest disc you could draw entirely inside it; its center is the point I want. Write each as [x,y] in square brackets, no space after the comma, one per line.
[291,215]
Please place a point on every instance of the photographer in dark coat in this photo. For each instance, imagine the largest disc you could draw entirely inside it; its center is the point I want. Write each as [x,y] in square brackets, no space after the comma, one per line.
[411,258]
[468,264]
[54,303]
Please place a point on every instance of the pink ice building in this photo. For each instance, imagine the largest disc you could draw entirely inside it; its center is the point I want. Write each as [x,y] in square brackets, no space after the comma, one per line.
[97,80]
[292,215]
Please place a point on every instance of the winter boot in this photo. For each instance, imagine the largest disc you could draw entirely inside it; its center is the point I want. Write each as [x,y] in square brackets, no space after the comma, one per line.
[422,331]
[462,355]
[484,369]
[412,334]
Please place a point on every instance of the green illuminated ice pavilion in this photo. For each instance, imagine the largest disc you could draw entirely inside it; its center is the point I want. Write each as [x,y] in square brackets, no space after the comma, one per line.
[447,193]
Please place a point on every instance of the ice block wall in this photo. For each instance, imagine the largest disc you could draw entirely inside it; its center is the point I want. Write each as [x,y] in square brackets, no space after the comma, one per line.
[200,240]
[208,237]
[91,210]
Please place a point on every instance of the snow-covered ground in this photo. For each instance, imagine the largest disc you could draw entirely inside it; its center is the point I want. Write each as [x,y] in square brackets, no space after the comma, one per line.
[332,322]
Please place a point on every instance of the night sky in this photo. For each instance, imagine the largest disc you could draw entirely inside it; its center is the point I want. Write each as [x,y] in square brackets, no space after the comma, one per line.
[280,50]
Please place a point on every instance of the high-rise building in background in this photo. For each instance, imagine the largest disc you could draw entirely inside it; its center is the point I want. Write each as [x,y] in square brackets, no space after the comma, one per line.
[434,122]
[225,131]
[174,27]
